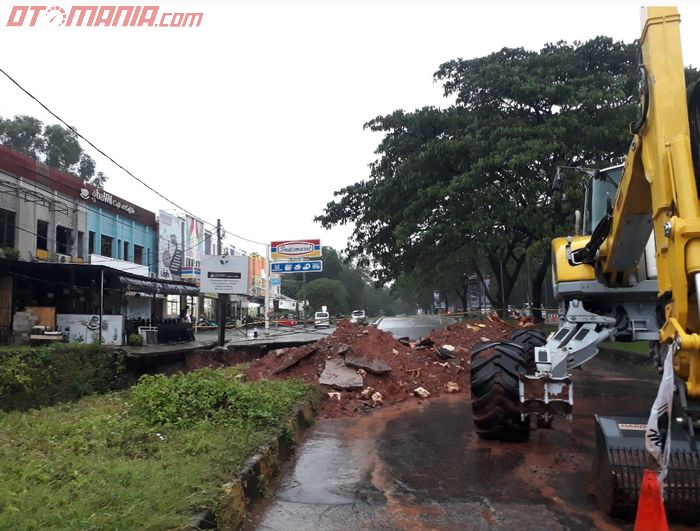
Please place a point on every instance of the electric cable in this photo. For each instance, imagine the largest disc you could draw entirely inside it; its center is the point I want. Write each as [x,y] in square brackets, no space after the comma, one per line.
[101,152]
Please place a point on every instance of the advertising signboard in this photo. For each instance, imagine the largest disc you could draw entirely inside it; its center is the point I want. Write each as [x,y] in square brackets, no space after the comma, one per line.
[295,249]
[193,248]
[170,248]
[224,274]
[86,328]
[311,266]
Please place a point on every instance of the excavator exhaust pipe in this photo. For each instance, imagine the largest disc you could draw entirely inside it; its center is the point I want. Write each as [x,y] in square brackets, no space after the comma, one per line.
[620,461]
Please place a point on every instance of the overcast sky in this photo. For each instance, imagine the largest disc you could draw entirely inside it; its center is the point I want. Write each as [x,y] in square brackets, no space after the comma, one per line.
[256,116]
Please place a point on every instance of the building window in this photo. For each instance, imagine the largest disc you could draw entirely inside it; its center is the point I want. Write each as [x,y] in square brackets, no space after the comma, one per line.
[7,228]
[207,243]
[42,235]
[126,251]
[106,245]
[81,244]
[138,254]
[63,240]
[91,242]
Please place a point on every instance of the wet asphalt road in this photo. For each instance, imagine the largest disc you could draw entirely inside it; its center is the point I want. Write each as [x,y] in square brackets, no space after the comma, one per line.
[420,465]
[413,326]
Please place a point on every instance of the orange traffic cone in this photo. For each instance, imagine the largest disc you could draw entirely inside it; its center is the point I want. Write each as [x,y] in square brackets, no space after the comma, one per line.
[651,515]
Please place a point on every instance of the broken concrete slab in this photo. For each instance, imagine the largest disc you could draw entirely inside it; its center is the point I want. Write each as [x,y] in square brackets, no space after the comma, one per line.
[293,359]
[338,375]
[341,349]
[374,366]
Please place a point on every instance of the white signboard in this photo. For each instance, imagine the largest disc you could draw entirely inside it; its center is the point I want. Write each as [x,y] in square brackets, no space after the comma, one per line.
[224,274]
[85,328]
[287,305]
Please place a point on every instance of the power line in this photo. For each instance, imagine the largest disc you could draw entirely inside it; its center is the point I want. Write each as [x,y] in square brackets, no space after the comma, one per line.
[75,131]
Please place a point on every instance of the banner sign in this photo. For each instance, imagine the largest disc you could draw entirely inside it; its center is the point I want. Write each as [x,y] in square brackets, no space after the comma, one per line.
[170,248]
[312,266]
[224,274]
[291,249]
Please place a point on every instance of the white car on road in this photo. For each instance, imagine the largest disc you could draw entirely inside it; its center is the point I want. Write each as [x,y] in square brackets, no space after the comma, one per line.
[322,320]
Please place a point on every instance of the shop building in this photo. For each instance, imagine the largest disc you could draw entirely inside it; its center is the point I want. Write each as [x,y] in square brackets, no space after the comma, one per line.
[42,216]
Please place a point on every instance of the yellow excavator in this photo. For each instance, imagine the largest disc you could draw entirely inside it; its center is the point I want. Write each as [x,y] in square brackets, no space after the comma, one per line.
[631,271]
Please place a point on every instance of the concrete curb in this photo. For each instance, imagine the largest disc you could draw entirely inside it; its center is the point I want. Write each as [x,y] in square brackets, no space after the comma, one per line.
[257,473]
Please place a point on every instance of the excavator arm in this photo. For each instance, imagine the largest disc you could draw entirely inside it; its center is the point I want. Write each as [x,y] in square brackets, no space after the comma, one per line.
[658,190]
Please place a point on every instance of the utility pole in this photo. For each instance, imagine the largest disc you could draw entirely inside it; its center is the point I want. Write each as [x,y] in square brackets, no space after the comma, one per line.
[303,294]
[221,301]
[267,287]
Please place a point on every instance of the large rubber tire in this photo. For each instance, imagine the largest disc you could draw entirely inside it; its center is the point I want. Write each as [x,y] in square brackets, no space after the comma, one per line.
[495,368]
[529,338]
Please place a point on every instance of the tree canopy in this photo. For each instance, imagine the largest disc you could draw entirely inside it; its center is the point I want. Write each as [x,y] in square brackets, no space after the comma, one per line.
[54,145]
[468,187]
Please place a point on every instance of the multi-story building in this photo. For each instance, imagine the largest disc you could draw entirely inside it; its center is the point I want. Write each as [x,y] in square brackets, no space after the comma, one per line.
[50,215]
[42,216]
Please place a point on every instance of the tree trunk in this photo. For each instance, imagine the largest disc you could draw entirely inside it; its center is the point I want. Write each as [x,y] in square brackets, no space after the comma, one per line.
[537,281]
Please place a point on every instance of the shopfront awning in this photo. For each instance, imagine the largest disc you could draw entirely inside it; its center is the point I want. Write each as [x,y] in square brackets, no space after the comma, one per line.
[145,285]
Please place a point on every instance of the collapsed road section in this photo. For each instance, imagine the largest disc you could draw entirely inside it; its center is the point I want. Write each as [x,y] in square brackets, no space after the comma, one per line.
[361,367]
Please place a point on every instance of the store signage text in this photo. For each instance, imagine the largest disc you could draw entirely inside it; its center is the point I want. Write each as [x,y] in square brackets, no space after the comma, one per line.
[107,198]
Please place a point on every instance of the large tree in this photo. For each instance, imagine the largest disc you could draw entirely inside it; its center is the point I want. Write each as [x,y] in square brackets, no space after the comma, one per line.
[476,176]
[55,145]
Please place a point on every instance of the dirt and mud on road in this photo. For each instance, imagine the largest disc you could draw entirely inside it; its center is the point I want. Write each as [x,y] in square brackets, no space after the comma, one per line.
[372,368]
[420,465]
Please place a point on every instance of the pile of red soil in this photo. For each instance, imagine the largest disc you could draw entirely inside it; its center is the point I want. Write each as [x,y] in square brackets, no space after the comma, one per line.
[413,365]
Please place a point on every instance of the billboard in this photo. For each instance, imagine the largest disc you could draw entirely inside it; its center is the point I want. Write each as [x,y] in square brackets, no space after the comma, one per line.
[170,248]
[295,249]
[224,274]
[257,276]
[86,328]
[193,248]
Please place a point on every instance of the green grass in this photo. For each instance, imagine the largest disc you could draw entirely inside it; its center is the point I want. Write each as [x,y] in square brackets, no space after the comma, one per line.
[145,458]
[31,377]
[641,347]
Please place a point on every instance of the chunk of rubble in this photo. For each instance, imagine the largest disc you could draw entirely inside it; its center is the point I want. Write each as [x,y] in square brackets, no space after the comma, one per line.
[341,349]
[362,372]
[366,393]
[420,392]
[452,387]
[337,375]
[445,351]
[293,359]
[334,394]
[404,341]
[377,399]
[374,366]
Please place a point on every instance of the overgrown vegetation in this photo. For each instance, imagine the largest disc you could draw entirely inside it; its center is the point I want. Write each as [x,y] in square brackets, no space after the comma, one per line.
[40,376]
[146,458]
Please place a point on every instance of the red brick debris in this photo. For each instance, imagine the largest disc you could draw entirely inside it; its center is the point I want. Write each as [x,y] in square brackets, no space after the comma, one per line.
[413,364]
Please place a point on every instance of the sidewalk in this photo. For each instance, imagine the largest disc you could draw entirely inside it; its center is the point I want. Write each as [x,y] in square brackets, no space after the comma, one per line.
[235,337]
